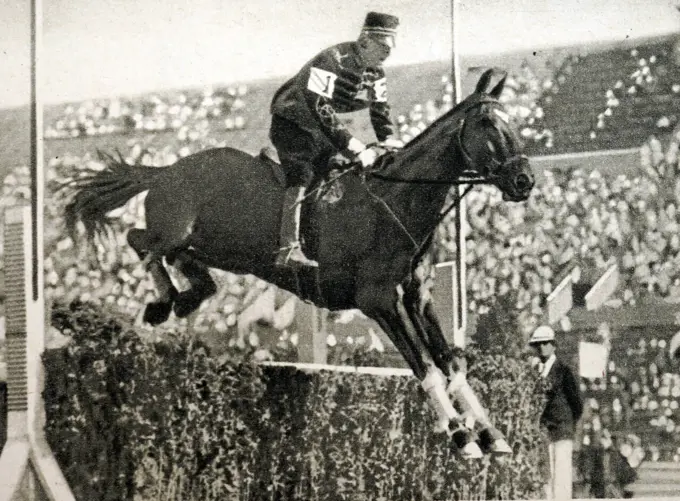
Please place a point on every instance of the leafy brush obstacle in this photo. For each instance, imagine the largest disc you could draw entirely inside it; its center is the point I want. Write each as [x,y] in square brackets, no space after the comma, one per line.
[134,419]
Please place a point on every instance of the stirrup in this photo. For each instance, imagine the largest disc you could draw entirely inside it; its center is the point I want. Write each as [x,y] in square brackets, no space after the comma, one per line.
[292,254]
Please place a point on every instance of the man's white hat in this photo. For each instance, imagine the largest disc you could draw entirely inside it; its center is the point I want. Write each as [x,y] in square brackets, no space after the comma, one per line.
[543,334]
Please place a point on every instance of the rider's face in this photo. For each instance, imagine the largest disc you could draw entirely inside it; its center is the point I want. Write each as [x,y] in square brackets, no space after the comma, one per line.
[375,50]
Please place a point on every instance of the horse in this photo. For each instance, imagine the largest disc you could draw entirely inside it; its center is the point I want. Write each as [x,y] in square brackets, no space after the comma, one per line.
[222,208]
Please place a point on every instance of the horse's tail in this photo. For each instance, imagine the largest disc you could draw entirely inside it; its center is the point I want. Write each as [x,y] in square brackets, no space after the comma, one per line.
[98,193]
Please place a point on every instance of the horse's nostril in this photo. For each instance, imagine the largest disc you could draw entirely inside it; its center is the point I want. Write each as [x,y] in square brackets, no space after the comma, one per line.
[523,182]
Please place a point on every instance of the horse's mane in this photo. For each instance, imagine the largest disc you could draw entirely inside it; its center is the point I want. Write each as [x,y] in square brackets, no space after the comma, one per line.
[434,125]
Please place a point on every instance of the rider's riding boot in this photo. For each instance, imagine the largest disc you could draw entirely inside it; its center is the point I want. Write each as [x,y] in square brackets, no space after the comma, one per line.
[290,230]
[435,386]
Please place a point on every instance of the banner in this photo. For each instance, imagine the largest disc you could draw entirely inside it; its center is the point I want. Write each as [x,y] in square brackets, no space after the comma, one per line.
[592,360]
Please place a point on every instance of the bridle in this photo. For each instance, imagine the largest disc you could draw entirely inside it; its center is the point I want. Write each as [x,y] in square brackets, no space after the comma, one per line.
[491,176]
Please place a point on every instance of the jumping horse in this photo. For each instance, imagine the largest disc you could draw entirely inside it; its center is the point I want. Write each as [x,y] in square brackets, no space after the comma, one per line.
[222,208]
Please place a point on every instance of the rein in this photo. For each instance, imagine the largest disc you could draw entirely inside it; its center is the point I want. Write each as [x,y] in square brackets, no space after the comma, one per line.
[457,182]
[469,181]
[442,215]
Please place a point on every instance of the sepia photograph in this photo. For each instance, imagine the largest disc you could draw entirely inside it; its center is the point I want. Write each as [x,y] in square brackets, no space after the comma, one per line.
[323,250]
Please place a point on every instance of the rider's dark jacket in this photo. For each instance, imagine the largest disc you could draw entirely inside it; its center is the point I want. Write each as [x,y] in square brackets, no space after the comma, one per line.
[335,81]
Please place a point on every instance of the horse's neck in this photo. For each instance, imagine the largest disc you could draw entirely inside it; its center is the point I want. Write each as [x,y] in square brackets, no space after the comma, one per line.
[419,205]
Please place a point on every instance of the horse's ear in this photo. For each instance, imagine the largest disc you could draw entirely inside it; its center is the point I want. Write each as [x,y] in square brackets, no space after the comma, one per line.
[498,89]
[484,81]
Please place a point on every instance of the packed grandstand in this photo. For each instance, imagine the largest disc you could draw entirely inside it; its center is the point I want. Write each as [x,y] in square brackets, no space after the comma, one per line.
[580,218]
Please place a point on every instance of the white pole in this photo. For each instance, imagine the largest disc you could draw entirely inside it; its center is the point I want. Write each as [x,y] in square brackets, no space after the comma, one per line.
[46,471]
[29,469]
[460,289]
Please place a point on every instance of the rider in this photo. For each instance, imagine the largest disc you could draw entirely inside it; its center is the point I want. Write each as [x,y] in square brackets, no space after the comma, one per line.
[305,128]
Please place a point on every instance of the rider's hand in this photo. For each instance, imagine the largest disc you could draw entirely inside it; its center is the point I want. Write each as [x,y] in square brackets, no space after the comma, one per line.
[391,143]
[367,157]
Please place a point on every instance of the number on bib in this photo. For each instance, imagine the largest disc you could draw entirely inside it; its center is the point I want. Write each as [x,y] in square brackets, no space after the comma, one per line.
[321,82]
[380,89]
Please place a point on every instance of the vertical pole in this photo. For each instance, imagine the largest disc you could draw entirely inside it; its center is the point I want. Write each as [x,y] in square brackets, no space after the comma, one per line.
[29,469]
[35,293]
[460,289]
[36,160]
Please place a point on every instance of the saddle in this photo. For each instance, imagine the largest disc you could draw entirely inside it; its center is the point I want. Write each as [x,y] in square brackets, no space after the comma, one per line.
[336,165]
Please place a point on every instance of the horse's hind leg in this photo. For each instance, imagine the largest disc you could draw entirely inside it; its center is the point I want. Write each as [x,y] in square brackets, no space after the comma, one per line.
[202,286]
[157,311]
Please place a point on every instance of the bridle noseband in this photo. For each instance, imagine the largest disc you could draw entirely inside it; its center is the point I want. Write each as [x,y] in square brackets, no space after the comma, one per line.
[491,174]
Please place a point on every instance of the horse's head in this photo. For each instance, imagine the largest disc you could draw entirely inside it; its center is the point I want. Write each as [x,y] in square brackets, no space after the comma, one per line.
[489,144]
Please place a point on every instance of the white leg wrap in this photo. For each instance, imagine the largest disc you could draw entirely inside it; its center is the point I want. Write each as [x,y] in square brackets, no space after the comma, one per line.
[466,398]
[435,386]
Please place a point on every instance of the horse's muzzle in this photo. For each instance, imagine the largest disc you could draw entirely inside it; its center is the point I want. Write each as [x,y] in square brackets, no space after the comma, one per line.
[519,185]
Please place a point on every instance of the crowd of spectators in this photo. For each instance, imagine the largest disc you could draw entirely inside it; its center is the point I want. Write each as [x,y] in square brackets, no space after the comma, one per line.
[632,412]
[222,107]
[579,218]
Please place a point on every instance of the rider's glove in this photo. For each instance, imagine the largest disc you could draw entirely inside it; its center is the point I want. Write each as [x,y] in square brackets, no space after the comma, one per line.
[366,156]
[392,143]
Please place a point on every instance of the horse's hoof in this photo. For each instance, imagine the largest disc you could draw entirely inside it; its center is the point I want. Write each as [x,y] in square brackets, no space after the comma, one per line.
[471,451]
[186,303]
[464,440]
[492,441]
[157,313]
[501,446]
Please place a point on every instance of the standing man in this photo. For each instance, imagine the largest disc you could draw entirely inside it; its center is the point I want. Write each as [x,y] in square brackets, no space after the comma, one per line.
[562,412]
[305,127]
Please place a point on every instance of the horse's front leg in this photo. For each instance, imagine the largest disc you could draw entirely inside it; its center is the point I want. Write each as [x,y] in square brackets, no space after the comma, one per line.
[453,364]
[382,305]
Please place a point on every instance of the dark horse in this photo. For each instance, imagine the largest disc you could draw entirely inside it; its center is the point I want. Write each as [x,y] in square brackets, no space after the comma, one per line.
[222,208]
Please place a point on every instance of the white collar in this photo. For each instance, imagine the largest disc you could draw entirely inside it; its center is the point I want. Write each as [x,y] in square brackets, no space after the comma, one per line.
[547,365]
